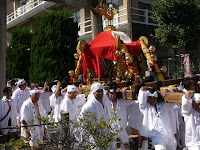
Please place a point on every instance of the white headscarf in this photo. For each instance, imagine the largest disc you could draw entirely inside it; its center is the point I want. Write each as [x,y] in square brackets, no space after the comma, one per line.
[96,86]
[155,94]
[72,88]
[196,97]
[34,91]
[20,82]
[54,87]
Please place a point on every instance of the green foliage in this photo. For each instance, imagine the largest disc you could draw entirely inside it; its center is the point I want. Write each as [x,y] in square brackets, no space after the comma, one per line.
[52,47]
[179,22]
[18,54]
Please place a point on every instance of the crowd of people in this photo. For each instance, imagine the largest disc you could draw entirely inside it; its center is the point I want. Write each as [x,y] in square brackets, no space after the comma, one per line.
[158,124]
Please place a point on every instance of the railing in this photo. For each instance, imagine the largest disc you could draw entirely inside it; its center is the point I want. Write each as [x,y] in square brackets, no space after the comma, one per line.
[85,27]
[142,16]
[117,19]
[23,9]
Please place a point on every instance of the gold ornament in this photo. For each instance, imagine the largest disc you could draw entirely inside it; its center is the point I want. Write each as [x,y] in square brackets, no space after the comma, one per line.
[76,55]
[152,48]
[128,58]
[128,74]
[143,40]
[81,45]
[118,53]
[71,73]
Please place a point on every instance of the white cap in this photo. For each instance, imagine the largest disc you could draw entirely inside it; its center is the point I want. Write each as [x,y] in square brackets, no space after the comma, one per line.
[96,86]
[72,88]
[53,88]
[20,82]
[196,97]
[155,94]
[34,91]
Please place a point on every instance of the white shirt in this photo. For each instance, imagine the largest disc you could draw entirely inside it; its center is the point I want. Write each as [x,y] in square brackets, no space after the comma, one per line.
[155,122]
[135,117]
[45,101]
[55,104]
[19,96]
[73,106]
[29,115]
[121,110]
[192,124]
[13,114]
[96,108]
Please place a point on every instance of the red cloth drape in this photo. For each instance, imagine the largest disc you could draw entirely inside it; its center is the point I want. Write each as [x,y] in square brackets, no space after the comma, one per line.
[103,46]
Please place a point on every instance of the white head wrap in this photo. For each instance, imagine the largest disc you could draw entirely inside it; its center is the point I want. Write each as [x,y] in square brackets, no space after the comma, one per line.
[155,94]
[72,88]
[53,88]
[8,85]
[196,97]
[34,91]
[20,82]
[96,86]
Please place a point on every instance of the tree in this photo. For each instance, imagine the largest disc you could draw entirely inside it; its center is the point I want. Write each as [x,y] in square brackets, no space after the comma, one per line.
[53,46]
[18,54]
[179,22]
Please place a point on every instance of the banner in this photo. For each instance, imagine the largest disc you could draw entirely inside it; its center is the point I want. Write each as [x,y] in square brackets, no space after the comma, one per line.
[186,65]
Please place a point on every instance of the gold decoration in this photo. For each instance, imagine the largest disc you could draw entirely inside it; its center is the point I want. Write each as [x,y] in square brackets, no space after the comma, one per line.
[118,53]
[81,45]
[109,14]
[144,40]
[152,48]
[128,58]
[71,73]
[109,28]
[128,74]
[76,55]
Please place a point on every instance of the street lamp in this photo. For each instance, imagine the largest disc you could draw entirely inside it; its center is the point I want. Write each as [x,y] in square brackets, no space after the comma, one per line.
[168,65]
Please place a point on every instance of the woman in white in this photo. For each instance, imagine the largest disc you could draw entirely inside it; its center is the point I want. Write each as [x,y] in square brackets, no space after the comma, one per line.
[191,114]
[8,114]
[30,111]
[156,121]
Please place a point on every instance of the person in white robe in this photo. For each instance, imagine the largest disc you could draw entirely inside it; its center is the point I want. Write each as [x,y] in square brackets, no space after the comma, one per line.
[45,99]
[55,100]
[118,107]
[30,113]
[20,94]
[191,114]
[72,102]
[96,104]
[156,123]
[8,114]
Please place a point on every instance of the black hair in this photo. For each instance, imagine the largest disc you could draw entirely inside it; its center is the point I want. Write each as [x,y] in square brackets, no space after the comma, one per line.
[188,82]
[151,90]
[5,90]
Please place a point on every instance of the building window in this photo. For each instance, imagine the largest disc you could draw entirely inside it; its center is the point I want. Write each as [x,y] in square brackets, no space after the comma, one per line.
[112,2]
[77,17]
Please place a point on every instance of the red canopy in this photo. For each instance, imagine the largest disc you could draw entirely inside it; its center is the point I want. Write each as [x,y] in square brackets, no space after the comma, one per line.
[104,46]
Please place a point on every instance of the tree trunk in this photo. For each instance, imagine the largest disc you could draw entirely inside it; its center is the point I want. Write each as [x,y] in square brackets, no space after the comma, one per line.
[3,9]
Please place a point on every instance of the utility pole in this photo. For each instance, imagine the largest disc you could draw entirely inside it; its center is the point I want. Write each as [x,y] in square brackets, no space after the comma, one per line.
[3,8]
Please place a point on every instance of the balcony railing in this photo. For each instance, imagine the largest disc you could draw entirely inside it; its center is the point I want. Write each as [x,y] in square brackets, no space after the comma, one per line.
[23,9]
[142,16]
[85,27]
